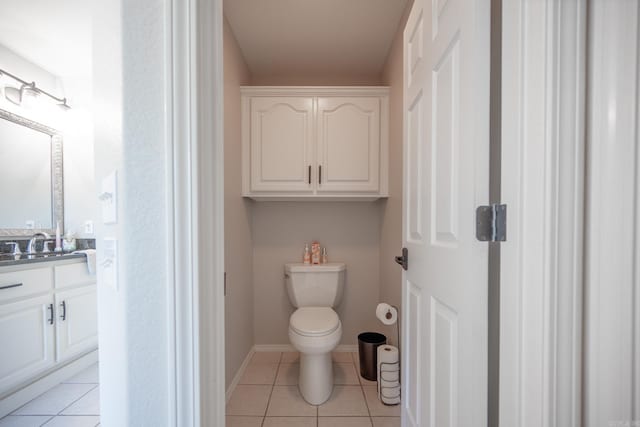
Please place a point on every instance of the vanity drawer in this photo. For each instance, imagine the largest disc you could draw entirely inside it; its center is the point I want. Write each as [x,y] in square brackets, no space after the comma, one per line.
[73,275]
[20,283]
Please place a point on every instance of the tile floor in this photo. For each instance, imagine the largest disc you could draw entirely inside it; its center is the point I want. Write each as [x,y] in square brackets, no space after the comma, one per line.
[268,396]
[73,403]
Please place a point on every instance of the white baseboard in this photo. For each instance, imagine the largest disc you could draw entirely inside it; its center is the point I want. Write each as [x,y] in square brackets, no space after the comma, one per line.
[239,373]
[15,400]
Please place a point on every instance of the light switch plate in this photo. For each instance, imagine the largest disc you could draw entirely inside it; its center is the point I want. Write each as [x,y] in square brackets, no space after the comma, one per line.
[109,198]
[88,227]
[110,262]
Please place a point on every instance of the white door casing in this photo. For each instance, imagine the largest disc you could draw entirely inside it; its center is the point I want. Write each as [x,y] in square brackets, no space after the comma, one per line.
[543,122]
[446,175]
[348,144]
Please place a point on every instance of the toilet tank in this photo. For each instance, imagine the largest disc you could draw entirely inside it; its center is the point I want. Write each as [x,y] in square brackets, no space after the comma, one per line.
[315,285]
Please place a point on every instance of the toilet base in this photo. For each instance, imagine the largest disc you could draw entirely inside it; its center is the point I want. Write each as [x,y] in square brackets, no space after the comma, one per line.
[316,377]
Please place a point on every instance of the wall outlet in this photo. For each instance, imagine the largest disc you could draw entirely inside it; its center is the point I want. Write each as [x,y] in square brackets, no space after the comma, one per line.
[88,227]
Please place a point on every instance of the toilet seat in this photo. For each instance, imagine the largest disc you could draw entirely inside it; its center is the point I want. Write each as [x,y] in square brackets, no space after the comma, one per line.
[314,321]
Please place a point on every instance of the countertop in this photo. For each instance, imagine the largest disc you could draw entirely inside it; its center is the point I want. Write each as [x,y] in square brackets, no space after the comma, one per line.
[12,260]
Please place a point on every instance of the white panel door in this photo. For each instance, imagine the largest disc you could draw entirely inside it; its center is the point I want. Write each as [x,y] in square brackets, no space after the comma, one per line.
[348,144]
[77,321]
[282,144]
[27,337]
[446,175]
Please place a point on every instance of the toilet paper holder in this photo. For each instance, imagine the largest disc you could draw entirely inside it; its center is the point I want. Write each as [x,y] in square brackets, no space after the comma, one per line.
[395,390]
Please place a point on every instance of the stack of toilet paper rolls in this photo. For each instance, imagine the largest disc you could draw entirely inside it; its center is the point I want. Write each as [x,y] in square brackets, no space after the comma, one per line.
[388,375]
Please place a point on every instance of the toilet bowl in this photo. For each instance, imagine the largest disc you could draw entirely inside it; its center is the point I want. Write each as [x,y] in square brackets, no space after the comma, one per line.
[315,328]
[315,332]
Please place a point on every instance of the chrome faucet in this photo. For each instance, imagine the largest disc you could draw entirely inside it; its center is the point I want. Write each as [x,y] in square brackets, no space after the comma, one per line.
[31,247]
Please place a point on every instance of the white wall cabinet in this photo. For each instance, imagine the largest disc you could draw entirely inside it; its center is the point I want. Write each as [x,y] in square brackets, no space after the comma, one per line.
[48,316]
[281,144]
[315,143]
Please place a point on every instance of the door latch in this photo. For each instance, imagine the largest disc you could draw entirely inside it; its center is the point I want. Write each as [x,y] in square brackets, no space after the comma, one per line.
[403,260]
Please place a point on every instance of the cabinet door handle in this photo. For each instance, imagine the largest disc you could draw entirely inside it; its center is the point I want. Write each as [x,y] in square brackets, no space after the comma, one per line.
[50,320]
[63,304]
[309,174]
[320,174]
[15,285]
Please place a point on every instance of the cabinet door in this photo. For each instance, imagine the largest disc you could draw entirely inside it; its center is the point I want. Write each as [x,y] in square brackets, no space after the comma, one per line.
[348,144]
[281,144]
[27,340]
[77,321]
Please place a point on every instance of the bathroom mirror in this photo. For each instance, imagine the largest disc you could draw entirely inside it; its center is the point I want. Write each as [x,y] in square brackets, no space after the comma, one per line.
[31,187]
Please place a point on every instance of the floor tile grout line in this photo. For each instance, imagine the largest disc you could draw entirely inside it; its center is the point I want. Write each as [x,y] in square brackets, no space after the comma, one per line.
[47,421]
[273,386]
[364,396]
[66,407]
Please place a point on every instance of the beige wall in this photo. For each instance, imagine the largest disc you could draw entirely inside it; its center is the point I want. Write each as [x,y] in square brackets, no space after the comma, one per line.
[351,232]
[237,213]
[391,227]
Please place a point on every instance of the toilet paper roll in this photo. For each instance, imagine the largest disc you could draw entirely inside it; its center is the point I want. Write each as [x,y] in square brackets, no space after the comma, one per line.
[386,313]
[388,367]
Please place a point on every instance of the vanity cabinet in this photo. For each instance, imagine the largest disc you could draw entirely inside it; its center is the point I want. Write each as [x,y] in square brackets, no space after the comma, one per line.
[315,143]
[27,337]
[77,322]
[48,316]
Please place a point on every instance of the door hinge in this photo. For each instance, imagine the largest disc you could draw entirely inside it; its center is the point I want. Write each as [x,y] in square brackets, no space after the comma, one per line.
[491,223]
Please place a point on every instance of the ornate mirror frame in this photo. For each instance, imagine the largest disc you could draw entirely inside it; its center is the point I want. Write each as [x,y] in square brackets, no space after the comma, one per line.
[57,188]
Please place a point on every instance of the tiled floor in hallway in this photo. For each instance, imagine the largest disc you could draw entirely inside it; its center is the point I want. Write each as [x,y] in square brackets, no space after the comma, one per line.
[73,403]
[268,396]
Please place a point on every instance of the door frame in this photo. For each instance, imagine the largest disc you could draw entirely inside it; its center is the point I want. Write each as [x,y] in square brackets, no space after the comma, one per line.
[543,84]
[195,165]
[541,265]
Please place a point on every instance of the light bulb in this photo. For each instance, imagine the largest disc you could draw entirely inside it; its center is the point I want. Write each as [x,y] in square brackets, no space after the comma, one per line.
[30,95]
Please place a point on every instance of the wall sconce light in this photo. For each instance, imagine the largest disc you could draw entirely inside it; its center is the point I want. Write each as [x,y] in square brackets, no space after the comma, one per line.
[28,93]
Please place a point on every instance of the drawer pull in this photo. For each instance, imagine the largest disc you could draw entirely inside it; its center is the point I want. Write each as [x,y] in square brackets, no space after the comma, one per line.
[63,304]
[51,313]
[15,285]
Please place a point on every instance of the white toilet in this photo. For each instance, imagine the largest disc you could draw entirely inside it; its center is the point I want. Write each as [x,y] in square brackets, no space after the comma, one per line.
[314,328]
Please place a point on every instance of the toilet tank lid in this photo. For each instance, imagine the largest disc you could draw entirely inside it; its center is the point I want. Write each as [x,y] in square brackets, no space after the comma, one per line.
[310,268]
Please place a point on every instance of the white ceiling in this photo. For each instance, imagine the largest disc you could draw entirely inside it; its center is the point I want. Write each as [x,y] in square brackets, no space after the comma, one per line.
[56,35]
[310,36]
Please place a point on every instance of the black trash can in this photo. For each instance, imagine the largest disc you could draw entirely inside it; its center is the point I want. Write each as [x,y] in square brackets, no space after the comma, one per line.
[368,343]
